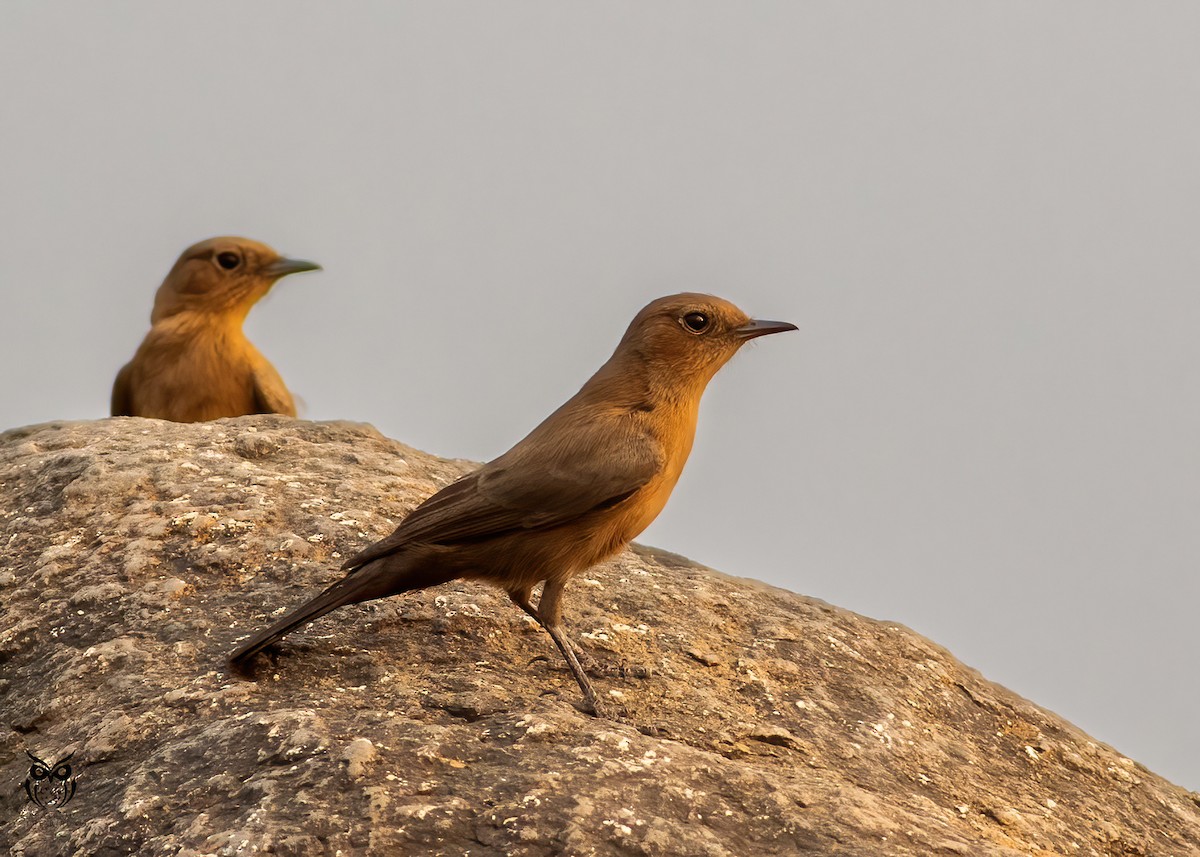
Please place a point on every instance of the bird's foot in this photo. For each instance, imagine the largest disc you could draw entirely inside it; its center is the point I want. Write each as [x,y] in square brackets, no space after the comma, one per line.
[590,707]
[617,668]
[601,710]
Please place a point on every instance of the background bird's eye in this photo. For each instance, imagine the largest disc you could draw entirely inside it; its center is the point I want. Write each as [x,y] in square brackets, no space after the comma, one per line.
[228,260]
[696,322]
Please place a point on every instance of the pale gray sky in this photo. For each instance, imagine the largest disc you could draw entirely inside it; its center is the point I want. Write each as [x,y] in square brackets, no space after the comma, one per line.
[981,215]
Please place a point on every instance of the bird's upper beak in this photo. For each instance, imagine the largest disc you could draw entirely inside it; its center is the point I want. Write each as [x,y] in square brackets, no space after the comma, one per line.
[283,266]
[761,327]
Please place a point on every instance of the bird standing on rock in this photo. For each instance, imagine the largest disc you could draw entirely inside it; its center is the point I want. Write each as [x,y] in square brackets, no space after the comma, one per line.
[573,492]
[196,363]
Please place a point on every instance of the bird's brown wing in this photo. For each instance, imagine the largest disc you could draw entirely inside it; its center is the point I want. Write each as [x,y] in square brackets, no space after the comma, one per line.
[122,395]
[529,487]
[271,395]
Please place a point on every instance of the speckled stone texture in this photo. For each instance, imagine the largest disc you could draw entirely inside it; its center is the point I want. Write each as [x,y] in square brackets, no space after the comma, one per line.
[745,720]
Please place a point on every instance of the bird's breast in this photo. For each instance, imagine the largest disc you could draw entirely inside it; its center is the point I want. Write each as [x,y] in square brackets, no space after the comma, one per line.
[193,373]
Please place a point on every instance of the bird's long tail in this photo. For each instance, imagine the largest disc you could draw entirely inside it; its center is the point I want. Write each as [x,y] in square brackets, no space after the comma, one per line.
[374,580]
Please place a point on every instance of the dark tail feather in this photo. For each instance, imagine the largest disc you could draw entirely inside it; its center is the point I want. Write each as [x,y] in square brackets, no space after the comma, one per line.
[364,584]
[331,599]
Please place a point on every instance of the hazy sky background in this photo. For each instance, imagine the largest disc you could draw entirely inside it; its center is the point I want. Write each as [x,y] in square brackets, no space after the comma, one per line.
[983,217]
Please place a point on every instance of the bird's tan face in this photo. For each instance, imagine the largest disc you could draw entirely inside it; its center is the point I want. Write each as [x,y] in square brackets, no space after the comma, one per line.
[223,276]
[692,336]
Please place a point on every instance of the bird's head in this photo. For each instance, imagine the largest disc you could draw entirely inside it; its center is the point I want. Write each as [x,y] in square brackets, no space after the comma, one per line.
[687,337]
[222,276]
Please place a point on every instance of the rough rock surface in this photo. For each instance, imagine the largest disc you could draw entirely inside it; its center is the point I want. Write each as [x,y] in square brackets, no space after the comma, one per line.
[748,720]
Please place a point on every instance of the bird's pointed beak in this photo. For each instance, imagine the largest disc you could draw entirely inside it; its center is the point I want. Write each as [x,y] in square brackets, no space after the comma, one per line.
[761,327]
[283,266]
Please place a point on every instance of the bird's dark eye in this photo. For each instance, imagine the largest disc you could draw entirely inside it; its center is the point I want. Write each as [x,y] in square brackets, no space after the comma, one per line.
[228,260]
[696,322]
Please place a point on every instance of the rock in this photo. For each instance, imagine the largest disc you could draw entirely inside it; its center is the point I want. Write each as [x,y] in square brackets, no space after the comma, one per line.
[360,752]
[135,553]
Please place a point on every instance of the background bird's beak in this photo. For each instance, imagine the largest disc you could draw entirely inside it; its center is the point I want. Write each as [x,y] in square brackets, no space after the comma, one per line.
[761,327]
[283,266]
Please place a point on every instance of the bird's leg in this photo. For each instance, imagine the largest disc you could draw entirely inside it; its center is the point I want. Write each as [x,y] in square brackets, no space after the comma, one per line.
[549,613]
[521,599]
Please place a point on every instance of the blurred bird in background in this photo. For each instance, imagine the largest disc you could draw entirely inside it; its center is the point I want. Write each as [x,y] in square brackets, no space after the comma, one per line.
[196,363]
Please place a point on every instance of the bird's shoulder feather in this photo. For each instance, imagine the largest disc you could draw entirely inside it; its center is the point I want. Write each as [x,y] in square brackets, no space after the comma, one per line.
[548,479]
[271,395]
[122,393]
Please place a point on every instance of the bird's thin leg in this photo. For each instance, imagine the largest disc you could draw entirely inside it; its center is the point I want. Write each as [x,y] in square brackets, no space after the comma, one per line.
[549,613]
[521,599]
